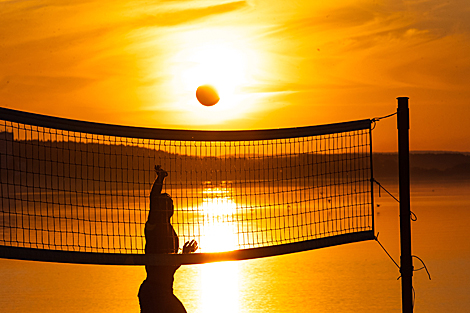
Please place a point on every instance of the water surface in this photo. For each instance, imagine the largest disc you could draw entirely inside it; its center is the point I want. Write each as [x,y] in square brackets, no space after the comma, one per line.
[356,277]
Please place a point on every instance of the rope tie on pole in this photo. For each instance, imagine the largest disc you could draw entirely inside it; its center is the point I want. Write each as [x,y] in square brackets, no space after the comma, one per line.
[376,119]
[413,216]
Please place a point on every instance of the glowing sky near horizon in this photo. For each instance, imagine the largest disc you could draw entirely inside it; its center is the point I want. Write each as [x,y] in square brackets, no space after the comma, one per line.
[276,64]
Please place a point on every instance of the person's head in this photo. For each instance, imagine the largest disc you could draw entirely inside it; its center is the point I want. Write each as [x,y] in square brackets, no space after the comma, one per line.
[161,208]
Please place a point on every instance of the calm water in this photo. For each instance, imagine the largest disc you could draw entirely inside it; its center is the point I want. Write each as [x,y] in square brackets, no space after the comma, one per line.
[357,277]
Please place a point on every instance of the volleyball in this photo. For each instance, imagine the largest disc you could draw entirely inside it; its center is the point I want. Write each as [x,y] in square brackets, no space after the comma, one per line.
[207,95]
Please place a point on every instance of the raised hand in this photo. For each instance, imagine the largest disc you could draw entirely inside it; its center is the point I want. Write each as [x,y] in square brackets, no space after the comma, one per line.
[158,183]
[190,246]
[160,172]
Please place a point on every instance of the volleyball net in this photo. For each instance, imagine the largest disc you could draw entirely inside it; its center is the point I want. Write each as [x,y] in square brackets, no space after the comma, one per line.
[78,192]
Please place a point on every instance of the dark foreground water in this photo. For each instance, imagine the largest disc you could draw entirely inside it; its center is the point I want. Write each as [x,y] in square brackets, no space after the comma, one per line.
[357,277]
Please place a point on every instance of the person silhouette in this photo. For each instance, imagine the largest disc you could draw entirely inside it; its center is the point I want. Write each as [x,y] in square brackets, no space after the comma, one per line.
[156,291]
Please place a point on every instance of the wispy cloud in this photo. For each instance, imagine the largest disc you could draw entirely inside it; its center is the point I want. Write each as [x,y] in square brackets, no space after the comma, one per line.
[54,49]
[110,53]
[175,17]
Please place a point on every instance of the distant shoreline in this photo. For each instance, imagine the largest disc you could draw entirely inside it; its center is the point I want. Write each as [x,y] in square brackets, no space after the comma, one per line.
[424,165]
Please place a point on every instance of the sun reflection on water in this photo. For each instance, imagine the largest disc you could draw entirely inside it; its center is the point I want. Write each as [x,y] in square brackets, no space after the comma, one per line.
[220,231]
[219,281]
[220,287]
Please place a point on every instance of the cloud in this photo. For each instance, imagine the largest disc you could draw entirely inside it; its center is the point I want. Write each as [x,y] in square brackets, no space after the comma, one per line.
[114,55]
[183,16]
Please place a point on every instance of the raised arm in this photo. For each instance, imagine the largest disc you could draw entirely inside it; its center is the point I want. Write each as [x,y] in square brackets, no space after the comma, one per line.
[158,183]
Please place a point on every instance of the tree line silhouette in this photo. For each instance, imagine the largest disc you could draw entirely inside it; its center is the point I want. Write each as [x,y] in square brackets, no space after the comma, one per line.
[52,164]
[76,166]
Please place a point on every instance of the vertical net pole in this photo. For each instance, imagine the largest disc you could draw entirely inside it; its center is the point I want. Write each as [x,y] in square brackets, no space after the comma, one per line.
[406,262]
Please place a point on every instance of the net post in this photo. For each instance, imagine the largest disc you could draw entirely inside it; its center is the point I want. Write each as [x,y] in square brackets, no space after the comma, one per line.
[406,262]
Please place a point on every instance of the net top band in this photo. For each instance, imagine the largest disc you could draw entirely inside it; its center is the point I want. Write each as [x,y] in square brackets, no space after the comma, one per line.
[177,134]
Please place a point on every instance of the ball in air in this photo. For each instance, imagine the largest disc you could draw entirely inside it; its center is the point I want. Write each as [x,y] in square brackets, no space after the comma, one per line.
[207,95]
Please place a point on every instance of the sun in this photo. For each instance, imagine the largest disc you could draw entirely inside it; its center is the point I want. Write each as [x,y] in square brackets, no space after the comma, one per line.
[221,58]
[218,64]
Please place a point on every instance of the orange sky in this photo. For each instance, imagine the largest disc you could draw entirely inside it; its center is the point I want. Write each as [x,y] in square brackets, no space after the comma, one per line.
[275,63]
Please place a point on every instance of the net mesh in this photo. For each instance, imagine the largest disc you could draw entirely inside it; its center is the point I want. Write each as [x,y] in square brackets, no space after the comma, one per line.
[88,191]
